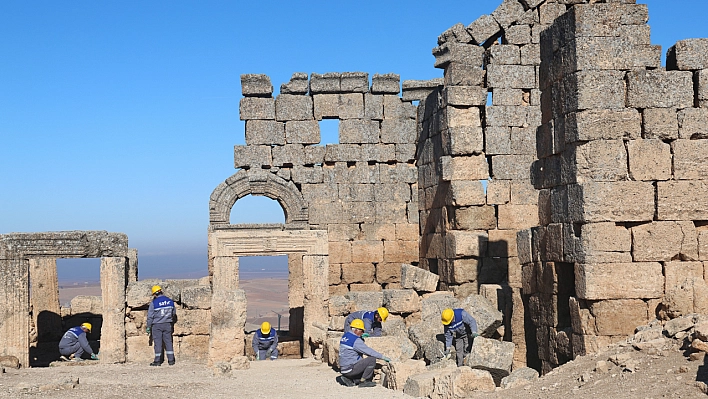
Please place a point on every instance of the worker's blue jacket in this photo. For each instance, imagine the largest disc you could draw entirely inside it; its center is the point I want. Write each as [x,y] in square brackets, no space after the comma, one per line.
[459,325]
[161,310]
[371,326]
[265,342]
[351,348]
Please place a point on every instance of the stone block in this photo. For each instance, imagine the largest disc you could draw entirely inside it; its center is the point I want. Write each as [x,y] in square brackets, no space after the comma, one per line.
[388,273]
[702,87]
[598,160]
[400,251]
[289,154]
[505,115]
[607,19]
[614,53]
[497,140]
[692,123]
[256,108]
[196,297]
[511,76]
[298,84]
[398,131]
[193,347]
[639,280]
[354,82]
[334,276]
[325,83]
[502,243]
[659,89]
[613,201]
[619,317]
[419,90]
[401,301]
[340,305]
[504,54]
[682,200]
[649,159]
[465,193]
[474,218]
[385,83]
[603,125]
[358,273]
[373,106]
[457,117]
[86,304]
[464,168]
[138,350]
[519,377]
[395,108]
[688,55]
[508,12]
[531,55]
[365,300]
[660,123]
[510,167]
[664,241]
[256,85]
[498,192]
[483,28]
[357,287]
[451,52]
[518,34]
[420,385]
[457,74]
[605,237]
[517,217]
[464,96]
[289,107]
[487,316]
[505,96]
[340,251]
[596,90]
[491,354]
[413,277]
[405,153]
[465,243]
[548,12]
[307,174]
[460,271]
[359,131]
[192,322]
[395,374]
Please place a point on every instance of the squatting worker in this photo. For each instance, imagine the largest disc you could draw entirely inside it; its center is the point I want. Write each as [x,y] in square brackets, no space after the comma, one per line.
[74,343]
[160,318]
[353,366]
[265,342]
[372,321]
[458,324]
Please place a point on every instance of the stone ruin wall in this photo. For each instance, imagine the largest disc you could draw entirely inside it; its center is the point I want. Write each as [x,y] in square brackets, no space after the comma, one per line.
[363,190]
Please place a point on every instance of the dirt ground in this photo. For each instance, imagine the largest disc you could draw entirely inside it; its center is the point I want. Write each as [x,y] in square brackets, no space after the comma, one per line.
[666,373]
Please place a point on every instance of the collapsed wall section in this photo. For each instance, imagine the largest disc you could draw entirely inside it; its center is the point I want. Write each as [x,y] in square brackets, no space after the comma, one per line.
[363,189]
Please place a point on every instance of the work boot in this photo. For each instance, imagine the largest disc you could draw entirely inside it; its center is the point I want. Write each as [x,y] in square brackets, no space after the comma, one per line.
[346,381]
[171,363]
[367,384]
[63,358]
[156,364]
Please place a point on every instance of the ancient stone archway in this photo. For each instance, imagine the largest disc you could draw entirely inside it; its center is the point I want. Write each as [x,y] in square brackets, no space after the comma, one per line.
[247,182]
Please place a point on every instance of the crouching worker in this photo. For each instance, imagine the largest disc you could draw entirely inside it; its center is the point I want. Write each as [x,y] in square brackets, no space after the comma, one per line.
[354,368]
[265,342]
[372,321]
[74,344]
[161,315]
[457,324]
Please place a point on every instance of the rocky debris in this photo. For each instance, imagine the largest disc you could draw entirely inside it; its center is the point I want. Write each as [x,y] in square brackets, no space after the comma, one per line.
[401,301]
[519,377]
[60,384]
[418,279]
[488,318]
[10,361]
[428,339]
[240,363]
[394,326]
[395,374]
[221,369]
[448,382]
[677,325]
[395,348]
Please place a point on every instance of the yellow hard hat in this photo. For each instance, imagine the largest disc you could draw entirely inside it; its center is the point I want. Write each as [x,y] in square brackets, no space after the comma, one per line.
[447,316]
[86,326]
[357,323]
[156,288]
[383,312]
[265,327]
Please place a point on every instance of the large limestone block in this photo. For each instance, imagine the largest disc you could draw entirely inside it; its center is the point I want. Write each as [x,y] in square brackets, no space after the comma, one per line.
[598,160]
[256,85]
[649,159]
[603,124]
[194,347]
[228,318]
[660,123]
[86,304]
[265,132]
[693,122]
[365,300]
[139,293]
[487,316]
[466,380]
[612,201]
[619,317]
[595,90]
[640,280]
[511,76]
[256,108]
[190,322]
[519,377]
[459,243]
[138,350]
[690,158]
[688,55]
[664,241]
[358,273]
[428,339]
[659,89]
[491,354]
[682,200]
[605,237]
[395,374]
[401,301]
[396,348]
[420,385]
[290,107]
[472,167]
[614,53]
[196,297]
[517,217]
[413,277]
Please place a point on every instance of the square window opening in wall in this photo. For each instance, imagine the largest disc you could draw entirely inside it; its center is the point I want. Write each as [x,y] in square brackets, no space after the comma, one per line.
[329,131]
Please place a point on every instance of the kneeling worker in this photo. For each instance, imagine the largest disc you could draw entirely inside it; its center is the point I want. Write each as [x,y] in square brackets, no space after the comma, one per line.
[456,323]
[372,321]
[351,363]
[265,342]
[74,343]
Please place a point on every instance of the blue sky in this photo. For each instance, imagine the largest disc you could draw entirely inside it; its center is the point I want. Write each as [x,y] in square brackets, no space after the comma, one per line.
[122,116]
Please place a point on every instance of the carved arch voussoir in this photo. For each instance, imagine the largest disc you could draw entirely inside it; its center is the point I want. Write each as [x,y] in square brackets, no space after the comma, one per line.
[267,184]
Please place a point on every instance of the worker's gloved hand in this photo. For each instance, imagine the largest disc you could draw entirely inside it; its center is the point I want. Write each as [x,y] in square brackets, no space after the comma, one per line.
[387,360]
[94,356]
[365,335]
[148,330]
[269,352]
[475,335]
